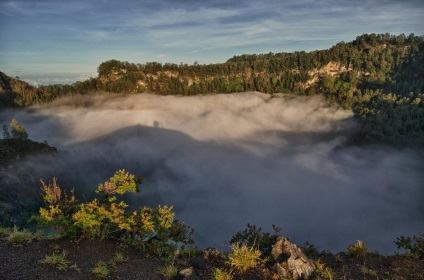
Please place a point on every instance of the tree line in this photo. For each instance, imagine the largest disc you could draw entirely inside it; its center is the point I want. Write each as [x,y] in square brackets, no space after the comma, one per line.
[379,76]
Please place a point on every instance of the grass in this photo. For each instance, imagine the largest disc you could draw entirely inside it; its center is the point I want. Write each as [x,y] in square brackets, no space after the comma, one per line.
[219,274]
[243,257]
[168,271]
[59,261]
[17,236]
[118,258]
[101,271]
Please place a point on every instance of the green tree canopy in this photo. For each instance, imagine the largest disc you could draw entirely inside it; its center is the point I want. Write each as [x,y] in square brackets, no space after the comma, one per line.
[18,131]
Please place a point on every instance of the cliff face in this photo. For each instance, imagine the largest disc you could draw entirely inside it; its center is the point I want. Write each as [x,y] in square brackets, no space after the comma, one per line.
[14,92]
[5,83]
[11,149]
[9,84]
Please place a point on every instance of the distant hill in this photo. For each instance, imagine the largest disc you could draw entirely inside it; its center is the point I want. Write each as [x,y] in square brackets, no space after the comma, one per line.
[17,93]
[13,149]
[379,76]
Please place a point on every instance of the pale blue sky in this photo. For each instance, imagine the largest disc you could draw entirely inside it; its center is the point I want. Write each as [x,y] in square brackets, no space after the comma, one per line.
[61,41]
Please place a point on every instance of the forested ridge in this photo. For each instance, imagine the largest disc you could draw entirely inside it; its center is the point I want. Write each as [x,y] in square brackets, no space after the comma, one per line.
[379,76]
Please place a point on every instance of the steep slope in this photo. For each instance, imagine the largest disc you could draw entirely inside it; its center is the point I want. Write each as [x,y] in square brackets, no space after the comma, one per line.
[14,92]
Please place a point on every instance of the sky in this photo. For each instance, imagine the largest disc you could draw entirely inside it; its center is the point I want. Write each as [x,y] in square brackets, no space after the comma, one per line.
[61,41]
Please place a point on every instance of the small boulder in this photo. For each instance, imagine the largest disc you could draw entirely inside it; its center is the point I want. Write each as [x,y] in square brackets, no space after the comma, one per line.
[188,274]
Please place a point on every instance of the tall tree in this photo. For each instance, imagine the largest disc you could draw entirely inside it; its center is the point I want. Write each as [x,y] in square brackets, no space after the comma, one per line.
[18,131]
[6,133]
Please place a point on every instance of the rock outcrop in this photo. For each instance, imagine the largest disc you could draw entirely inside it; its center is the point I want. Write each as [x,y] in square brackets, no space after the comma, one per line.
[291,262]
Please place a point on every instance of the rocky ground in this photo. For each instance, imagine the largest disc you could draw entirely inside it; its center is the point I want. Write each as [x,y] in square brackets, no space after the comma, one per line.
[23,262]
[373,266]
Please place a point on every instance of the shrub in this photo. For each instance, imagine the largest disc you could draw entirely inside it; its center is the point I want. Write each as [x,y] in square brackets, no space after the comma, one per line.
[358,249]
[243,257]
[310,250]
[323,272]
[105,217]
[254,237]
[5,231]
[414,246]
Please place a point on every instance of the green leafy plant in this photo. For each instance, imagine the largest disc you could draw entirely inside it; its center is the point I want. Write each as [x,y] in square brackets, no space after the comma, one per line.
[254,237]
[244,257]
[414,246]
[189,252]
[310,250]
[105,217]
[358,249]
[101,270]
[185,255]
[59,261]
[323,272]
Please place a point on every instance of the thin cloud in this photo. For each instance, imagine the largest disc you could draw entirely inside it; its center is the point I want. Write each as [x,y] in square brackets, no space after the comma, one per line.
[212,30]
[47,7]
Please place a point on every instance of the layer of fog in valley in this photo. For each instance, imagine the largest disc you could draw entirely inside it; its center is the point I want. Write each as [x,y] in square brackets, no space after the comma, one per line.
[227,160]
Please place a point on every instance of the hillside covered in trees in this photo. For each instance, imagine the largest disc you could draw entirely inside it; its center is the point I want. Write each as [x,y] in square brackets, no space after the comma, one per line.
[379,76]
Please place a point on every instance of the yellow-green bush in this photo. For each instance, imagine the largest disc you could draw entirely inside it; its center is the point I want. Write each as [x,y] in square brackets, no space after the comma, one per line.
[243,257]
[105,217]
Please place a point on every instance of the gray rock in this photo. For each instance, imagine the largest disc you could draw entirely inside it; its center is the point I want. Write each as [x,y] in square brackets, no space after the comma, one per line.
[291,261]
[186,272]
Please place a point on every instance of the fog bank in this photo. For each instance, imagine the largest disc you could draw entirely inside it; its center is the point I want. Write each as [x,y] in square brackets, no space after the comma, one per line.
[227,160]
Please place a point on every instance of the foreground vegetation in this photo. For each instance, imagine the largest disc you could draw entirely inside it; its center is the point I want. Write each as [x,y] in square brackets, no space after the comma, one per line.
[379,76]
[50,257]
[105,217]
[155,233]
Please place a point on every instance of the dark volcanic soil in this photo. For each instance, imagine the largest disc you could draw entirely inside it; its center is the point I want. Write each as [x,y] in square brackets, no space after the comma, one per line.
[23,262]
